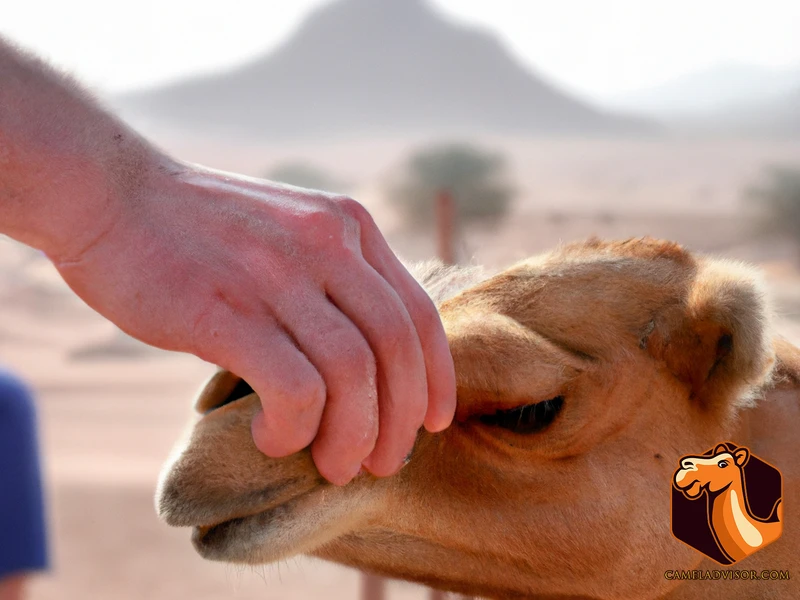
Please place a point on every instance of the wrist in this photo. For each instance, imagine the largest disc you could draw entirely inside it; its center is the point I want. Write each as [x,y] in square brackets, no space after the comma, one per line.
[86,195]
[67,167]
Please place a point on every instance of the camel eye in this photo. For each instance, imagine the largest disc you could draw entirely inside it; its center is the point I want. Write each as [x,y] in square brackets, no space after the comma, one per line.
[722,464]
[530,418]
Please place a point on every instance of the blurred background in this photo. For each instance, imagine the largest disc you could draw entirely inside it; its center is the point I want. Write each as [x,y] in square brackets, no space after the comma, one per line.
[544,122]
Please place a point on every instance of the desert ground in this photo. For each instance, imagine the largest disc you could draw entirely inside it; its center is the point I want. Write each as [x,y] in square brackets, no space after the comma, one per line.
[111,409]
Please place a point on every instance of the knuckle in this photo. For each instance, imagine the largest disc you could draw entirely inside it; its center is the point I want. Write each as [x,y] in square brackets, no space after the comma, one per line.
[302,387]
[400,335]
[360,356]
[360,441]
[417,403]
[322,222]
[409,416]
[310,392]
[353,209]
[355,217]
[333,231]
[351,354]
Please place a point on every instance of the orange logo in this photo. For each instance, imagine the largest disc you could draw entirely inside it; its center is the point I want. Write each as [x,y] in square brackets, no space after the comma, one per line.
[726,503]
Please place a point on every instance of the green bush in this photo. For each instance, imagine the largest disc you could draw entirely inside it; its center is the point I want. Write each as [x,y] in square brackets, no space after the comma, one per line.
[777,198]
[475,179]
[305,175]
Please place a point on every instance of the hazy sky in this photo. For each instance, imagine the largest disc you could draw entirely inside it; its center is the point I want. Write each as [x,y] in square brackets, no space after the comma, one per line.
[599,48]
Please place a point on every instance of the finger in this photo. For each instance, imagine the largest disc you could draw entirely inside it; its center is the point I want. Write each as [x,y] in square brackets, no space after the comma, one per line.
[382,318]
[291,391]
[349,425]
[441,377]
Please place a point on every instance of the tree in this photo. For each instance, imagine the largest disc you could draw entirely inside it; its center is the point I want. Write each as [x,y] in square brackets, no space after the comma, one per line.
[777,198]
[305,175]
[475,179]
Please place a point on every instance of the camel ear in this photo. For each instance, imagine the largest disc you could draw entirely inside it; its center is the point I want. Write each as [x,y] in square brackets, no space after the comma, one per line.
[717,339]
[500,364]
[741,456]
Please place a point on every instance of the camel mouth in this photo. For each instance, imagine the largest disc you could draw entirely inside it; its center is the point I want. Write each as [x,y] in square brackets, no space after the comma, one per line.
[223,389]
[215,542]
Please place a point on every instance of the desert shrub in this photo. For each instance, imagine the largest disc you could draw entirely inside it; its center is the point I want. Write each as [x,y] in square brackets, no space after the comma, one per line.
[305,175]
[777,200]
[475,179]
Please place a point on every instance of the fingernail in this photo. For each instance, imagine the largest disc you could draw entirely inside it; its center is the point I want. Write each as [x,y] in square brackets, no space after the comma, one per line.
[439,425]
[367,464]
[351,473]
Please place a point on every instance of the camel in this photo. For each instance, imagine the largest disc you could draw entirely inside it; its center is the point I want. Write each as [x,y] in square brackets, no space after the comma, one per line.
[583,375]
[721,478]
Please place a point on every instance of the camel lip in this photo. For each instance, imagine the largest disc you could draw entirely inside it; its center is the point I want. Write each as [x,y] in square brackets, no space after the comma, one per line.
[176,510]
[208,540]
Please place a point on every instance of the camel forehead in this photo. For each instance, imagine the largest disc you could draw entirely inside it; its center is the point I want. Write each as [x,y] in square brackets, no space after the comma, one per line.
[644,267]
[633,258]
[641,248]
[590,291]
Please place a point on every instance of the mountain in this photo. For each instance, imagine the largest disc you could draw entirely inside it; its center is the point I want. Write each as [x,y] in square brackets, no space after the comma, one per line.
[376,66]
[789,114]
[720,88]
[778,117]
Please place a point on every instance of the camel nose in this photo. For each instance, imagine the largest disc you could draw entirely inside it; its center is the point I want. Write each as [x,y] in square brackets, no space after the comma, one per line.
[687,464]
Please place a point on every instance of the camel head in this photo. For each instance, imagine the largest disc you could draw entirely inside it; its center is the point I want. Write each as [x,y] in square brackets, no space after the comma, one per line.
[713,473]
[583,375]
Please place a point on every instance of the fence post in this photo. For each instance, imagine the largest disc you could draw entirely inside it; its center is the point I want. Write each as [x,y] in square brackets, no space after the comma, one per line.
[372,587]
[445,227]
[445,246]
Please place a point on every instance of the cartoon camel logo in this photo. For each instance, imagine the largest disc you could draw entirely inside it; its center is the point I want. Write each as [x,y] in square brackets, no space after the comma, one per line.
[721,476]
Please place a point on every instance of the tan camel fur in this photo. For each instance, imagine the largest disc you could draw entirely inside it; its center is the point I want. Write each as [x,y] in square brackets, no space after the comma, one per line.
[721,477]
[584,375]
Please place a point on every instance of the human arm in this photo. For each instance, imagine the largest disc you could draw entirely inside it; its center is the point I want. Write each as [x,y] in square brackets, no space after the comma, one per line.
[293,290]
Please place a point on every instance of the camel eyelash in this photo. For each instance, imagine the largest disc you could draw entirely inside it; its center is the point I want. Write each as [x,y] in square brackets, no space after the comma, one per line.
[527,419]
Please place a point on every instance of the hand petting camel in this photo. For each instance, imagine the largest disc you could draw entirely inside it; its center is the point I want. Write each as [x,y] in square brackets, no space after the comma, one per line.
[583,375]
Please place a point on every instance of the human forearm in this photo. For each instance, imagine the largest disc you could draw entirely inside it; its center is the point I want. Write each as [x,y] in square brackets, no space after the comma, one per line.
[64,162]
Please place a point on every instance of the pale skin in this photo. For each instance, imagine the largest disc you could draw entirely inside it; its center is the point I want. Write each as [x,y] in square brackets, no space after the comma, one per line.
[296,291]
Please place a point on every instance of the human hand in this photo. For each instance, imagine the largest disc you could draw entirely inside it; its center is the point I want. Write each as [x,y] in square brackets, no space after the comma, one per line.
[295,291]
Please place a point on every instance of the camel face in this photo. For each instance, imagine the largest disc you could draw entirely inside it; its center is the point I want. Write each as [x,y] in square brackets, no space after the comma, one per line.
[583,375]
[714,474]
